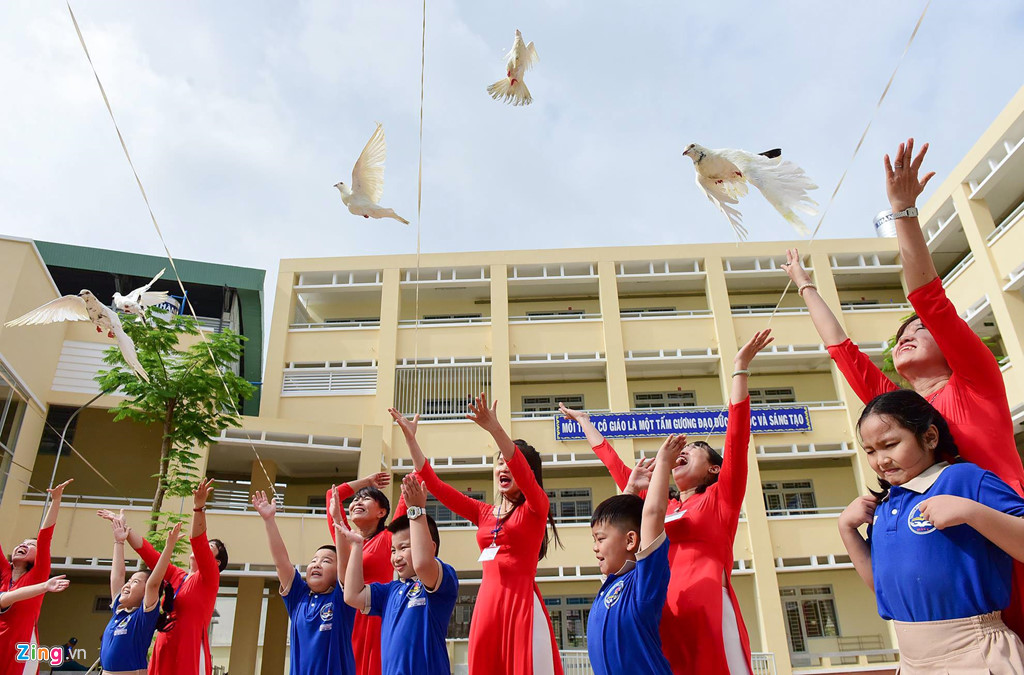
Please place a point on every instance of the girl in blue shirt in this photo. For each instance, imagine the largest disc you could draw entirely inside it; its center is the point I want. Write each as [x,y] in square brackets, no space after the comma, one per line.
[940,538]
[135,607]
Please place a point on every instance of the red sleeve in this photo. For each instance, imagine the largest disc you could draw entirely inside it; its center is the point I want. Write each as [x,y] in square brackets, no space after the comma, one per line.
[40,571]
[860,372]
[465,506]
[536,497]
[732,480]
[616,467]
[174,576]
[971,361]
[401,508]
[344,491]
[209,572]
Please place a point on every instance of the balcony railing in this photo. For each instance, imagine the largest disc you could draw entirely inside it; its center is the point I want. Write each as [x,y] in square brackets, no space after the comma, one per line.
[212,324]
[958,269]
[335,325]
[816,511]
[536,318]
[446,321]
[106,501]
[1015,216]
[758,311]
[663,313]
[878,307]
[541,414]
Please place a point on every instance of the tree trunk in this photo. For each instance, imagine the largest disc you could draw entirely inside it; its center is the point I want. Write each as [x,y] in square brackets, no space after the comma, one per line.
[165,462]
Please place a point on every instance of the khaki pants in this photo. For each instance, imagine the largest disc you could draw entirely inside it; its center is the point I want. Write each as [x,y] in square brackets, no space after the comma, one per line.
[976,645]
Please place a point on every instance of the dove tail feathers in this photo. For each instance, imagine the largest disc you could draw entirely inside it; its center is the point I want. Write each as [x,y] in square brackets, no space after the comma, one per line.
[514,93]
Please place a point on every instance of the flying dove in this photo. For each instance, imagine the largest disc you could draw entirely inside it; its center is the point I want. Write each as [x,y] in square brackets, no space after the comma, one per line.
[363,198]
[142,297]
[511,88]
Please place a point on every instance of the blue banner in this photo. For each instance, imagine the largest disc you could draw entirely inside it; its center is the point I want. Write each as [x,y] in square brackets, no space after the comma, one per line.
[766,420]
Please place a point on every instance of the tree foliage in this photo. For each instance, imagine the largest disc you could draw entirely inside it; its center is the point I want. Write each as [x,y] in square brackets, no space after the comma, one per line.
[186,396]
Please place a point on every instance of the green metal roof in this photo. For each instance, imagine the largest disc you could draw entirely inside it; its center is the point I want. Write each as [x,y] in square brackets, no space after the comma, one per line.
[136,264]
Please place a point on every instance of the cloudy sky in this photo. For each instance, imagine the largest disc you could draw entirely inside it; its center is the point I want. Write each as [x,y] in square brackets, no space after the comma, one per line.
[241,116]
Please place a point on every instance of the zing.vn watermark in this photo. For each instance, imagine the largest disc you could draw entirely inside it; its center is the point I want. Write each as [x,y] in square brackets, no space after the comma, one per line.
[52,655]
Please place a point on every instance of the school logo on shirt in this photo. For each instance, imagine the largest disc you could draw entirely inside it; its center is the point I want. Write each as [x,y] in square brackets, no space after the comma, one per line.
[917,523]
[122,627]
[327,613]
[614,593]
[415,595]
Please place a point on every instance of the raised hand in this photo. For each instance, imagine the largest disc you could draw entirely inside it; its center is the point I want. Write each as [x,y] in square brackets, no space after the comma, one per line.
[485,416]
[119,527]
[202,493]
[747,352]
[344,533]
[57,584]
[795,269]
[861,511]
[408,426]
[266,507]
[901,182]
[107,514]
[58,491]
[670,449]
[640,476]
[570,414]
[414,491]
[174,536]
[335,511]
[378,480]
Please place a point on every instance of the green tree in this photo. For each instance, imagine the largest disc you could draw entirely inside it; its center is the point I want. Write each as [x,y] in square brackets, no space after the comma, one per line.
[186,396]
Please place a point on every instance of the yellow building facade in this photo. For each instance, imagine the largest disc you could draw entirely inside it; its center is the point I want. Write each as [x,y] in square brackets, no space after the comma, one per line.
[605,329]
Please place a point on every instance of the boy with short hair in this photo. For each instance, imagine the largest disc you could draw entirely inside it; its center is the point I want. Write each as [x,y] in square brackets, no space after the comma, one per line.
[632,550]
[321,622]
[416,608]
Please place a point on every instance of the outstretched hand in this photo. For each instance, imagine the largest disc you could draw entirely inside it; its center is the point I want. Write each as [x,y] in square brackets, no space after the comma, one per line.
[265,507]
[345,534]
[485,416]
[414,491]
[58,491]
[570,414]
[795,268]
[747,352]
[408,426]
[379,480]
[335,510]
[57,584]
[640,476]
[202,493]
[120,528]
[901,182]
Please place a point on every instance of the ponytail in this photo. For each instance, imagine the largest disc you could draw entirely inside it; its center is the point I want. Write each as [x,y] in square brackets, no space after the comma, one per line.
[165,621]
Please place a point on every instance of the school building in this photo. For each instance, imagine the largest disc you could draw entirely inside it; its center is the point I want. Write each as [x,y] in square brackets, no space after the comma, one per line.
[633,329]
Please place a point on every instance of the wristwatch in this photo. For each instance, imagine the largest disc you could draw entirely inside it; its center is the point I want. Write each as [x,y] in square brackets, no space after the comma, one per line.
[415,512]
[905,213]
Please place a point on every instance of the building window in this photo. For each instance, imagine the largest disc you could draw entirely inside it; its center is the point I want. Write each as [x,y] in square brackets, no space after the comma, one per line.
[450,318]
[772,395]
[635,312]
[554,313]
[755,308]
[549,404]
[783,498]
[56,417]
[647,400]
[810,613]
[571,505]
[440,392]
[458,625]
[357,321]
[569,619]
[445,517]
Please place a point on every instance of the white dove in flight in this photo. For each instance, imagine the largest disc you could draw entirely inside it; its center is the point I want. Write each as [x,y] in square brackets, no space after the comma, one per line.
[142,297]
[85,307]
[511,88]
[722,175]
[363,198]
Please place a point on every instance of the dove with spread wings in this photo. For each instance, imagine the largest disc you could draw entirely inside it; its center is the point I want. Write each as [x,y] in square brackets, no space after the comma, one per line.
[363,198]
[722,175]
[142,297]
[511,88]
[85,307]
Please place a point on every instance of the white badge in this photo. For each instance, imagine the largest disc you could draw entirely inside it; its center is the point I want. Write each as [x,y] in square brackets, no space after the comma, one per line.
[488,553]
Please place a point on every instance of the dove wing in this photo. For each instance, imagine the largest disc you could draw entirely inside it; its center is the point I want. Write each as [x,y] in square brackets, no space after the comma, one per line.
[65,308]
[125,344]
[785,186]
[368,173]
[721,195]
[151,298]
[141,290]
[531,56]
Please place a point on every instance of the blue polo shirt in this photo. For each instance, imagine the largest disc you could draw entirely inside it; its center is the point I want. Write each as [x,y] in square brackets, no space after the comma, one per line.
[414,623]
[925,574]
[623,633]
[126,639]
[321,630]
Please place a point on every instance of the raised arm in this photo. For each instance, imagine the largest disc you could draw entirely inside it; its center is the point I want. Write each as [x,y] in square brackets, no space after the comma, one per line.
[52,585]
[741,364]
[175,575]
[424,555]
[156,577]
[601,447]
[335,496]
[464,505]
[903,188]
[486,418]
[825,322]
[117,561]
[409,427]
[656,504]
[199,498]
[278,551]
[861,511]
[51,513]
[352,580]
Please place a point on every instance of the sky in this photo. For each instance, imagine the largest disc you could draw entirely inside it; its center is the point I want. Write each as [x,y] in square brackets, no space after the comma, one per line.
[240,117]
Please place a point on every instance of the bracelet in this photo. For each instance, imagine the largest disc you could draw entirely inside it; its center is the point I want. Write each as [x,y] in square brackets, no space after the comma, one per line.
[800,289]
[741,372]
[201,508]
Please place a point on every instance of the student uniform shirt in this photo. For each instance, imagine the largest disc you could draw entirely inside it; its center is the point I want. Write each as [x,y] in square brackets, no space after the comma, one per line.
[321,630]
[415,623]
[623,632]
[126,639]
[925,574]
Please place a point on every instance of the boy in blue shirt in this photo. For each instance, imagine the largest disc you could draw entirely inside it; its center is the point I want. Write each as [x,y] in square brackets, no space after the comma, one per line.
[321,622]
[416,608]
[632,550]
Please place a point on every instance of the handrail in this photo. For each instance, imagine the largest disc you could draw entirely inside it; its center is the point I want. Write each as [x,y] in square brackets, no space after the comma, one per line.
[334,325]
[753,311]
[554,317]
[1009,221]
[445,321]
[657,314]
[882,306]
[541,414]
[960,267]
[816,511]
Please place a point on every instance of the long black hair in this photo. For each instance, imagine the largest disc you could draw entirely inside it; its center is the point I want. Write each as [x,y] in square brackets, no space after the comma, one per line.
[911,411]
[533,458]
[165,621]
[715,458]
[382,501]
[222,554]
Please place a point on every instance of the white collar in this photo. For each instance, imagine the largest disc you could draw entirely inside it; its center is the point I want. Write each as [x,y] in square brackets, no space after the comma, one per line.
[923,481]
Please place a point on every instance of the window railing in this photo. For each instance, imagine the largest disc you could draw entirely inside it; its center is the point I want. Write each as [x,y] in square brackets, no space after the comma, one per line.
[960,267]
[445,321]
[535,318]
[541,414]
[1009,221]
[815,511]
[659,313]
[758,311]
[335,325]
[93,501]
[874,307]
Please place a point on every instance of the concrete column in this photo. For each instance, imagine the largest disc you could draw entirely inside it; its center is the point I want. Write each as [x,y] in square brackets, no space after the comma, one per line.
[501,374]
[275,635]
[25,450]
[284,307]
[615,356]
[377,439]
[246,631]
[766,584]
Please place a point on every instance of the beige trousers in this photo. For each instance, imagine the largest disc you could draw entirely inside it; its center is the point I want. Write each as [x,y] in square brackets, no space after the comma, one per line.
[976,645]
